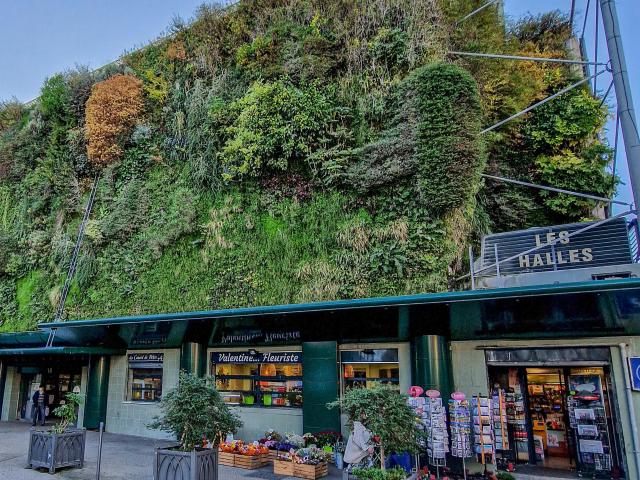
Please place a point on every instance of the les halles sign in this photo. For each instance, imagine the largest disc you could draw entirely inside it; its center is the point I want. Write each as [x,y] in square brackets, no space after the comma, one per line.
[559,248]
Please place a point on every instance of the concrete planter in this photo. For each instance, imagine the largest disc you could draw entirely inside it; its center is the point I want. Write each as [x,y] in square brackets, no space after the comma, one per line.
[56,450]
[199,464]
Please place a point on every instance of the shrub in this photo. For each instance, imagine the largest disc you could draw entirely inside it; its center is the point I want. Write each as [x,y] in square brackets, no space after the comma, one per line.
[114,107]
[53,99]
[277,125]
[67,412]
[195,410]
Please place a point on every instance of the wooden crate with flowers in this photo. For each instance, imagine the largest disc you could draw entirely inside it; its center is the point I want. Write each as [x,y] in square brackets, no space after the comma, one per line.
[238,454]
[308,463]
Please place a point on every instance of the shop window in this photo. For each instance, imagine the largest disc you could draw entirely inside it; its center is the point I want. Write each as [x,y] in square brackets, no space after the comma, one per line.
[364,368]
[144,382]
[259,379]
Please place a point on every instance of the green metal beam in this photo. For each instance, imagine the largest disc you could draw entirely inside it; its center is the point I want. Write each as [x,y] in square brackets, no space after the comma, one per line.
[419,299]
[60,351]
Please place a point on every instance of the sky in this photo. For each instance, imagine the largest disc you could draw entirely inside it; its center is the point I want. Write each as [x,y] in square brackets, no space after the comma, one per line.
[39,38]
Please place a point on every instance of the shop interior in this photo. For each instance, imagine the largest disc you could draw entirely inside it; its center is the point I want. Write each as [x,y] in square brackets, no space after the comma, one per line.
[266,384]
[558,417]
[364,368]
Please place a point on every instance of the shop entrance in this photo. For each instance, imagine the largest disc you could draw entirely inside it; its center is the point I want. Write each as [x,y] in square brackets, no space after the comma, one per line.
[57,381]
[559,417]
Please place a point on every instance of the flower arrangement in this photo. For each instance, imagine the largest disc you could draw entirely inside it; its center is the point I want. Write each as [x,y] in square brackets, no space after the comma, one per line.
[327,438]
[285,446]
[271,434]
[297,441]
[240,448]
[309,439]
[307,456]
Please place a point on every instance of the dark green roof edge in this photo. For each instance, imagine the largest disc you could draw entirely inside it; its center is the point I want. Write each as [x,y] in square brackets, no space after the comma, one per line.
[418,299]
[23,338]
[61,351]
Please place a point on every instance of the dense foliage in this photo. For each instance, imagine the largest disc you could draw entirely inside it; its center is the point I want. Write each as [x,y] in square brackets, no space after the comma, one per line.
[288,151]
[385,413]
[194,411]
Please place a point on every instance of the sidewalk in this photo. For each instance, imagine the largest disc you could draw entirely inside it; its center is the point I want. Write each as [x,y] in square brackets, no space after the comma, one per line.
[123,458]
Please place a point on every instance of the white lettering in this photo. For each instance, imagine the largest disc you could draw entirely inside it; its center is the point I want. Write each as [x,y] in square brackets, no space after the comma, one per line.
[573,256]
[537,260]
[524,261]
[587,256]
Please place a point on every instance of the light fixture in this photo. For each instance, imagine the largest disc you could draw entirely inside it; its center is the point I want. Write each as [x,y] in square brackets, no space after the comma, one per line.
[253,351]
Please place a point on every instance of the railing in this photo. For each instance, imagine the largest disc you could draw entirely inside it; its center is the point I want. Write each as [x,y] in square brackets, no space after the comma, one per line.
[634,240]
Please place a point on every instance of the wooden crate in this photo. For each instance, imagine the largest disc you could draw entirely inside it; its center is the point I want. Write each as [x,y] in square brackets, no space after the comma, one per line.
[281,467]
[272,455]
[310,472]
[226,458]
[249,462]
[264,458]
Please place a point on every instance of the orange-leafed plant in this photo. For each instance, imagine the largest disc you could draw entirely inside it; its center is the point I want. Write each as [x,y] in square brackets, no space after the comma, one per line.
[113,108]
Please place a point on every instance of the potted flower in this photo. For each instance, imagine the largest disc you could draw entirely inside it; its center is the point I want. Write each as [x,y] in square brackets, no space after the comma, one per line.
[63,445]
[238,454]
[192,411]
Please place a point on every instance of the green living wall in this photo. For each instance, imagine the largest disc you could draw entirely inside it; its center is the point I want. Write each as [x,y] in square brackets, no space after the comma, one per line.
[289,151]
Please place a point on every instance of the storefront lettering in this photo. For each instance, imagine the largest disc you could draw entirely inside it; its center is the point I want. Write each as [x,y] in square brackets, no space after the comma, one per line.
[562,257]
[262,357]
[259,336]
[146,357]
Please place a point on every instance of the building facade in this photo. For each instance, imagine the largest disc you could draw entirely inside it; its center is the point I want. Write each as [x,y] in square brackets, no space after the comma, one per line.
[279,366]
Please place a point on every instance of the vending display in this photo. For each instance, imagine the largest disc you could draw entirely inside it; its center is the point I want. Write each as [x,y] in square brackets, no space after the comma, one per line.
[517,425]
[460,425]
[435,420]
[483,439]
[588,421]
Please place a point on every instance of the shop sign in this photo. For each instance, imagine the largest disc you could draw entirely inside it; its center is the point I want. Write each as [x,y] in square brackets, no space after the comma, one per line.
[605,244]
[146,357]
[634,371]
[255,336]
[256,357]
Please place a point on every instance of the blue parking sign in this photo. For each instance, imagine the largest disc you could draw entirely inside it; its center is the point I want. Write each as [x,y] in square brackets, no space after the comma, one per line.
[634,371]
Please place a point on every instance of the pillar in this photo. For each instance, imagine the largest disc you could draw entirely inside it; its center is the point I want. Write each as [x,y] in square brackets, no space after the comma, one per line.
[432,364]
[95,410]
[193,358]
[3,380]
[320,386]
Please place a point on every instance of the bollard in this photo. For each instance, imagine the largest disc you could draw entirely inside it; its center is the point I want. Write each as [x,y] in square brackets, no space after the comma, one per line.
[99,451]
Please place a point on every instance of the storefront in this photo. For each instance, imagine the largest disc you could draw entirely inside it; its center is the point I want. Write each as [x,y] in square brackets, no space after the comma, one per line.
[556,351]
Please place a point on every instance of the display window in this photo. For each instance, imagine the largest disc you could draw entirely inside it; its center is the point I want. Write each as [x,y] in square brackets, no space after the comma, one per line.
[366,367]
[144,380]
[269,379]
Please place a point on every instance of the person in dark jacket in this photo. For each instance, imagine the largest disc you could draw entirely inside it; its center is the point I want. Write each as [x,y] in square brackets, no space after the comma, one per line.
[40,404]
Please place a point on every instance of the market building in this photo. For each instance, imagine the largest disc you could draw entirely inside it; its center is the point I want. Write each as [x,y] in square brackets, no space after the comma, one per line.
[280,365]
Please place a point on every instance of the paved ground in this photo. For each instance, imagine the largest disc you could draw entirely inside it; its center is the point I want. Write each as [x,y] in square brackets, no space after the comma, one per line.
[123,458]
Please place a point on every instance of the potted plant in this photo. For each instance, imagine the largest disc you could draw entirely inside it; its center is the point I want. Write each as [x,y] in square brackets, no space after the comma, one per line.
[385,413]
[63,445]
[236,453]
[193,411]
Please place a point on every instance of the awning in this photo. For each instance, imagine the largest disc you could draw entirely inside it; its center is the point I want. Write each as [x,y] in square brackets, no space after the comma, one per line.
[60,351]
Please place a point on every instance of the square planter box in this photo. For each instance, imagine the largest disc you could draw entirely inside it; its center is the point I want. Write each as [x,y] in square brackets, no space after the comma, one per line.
[281,467]
[226,458]
[56,450]
[199,464]
[310,472]
[248,462]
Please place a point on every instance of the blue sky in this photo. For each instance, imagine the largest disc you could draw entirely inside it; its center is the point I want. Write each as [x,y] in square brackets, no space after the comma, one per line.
[40,38]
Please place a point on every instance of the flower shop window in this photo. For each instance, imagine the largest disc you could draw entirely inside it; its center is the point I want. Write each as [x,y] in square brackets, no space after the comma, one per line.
[363,368]
[144,379]
[268,379]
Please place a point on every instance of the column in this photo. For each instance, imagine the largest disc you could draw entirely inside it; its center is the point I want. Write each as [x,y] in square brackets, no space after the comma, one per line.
[95,410]
[193,358]
[3,379]
[432,364]
[319,386]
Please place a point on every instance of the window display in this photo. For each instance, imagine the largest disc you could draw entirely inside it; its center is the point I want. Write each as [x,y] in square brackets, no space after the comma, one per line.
[363,368]
[144,383]
[270,379]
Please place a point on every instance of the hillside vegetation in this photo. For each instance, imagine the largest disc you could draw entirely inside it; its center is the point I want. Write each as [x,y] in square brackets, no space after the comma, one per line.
[288,151]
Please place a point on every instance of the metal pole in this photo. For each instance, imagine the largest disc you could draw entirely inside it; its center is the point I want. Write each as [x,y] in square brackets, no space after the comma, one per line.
[473,280]
[495,256]
[554,189]
[542,102]
[624,358]
[477,10]
[99,451]
[623,94]
[500,56]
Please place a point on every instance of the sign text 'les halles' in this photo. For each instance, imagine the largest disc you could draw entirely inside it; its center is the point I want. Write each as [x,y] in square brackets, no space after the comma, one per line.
[570,255]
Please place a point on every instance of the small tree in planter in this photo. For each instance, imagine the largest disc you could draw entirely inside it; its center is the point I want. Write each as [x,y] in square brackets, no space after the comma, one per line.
[62,446]
[384,411]
[192,411]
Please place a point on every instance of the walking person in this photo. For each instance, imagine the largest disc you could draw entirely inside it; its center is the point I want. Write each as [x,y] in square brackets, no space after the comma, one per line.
[40,404]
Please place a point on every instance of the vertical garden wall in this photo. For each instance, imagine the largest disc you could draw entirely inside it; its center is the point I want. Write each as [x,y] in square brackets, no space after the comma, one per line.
[286,151]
